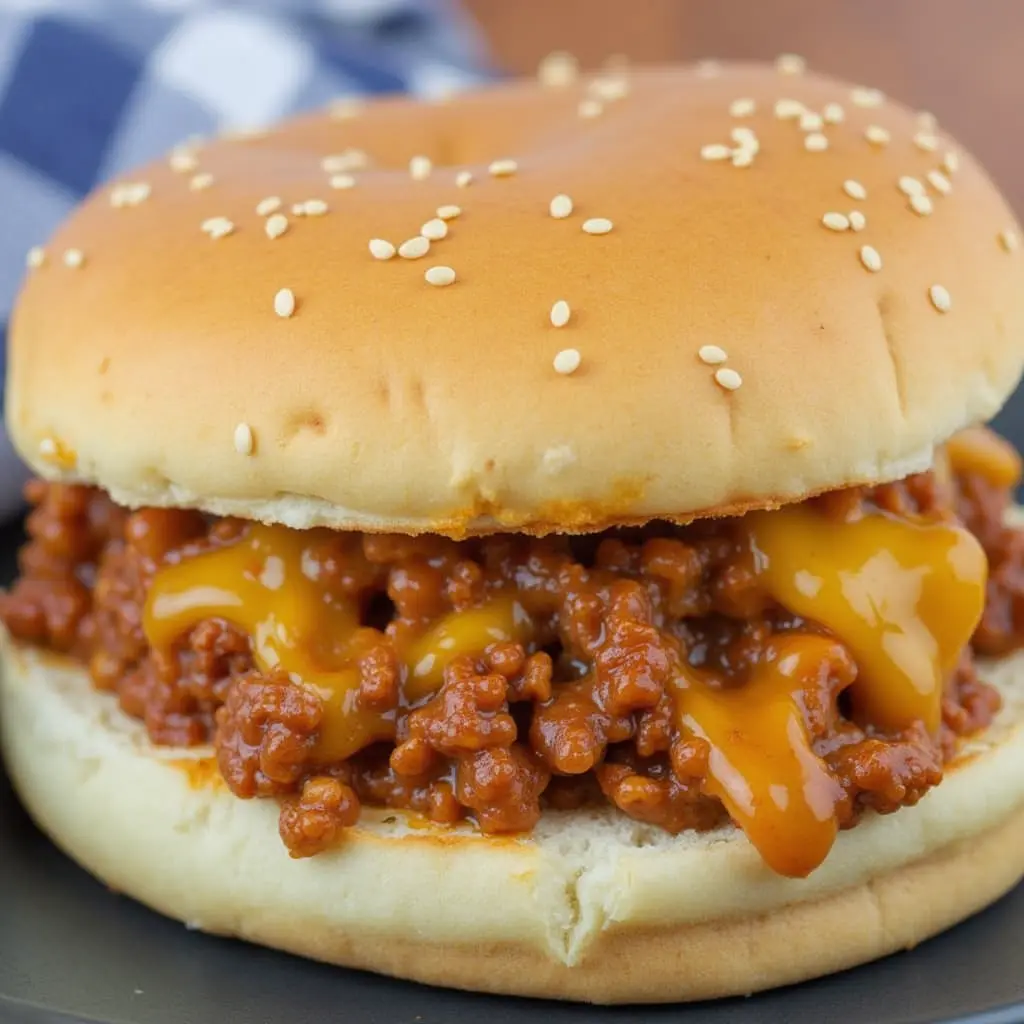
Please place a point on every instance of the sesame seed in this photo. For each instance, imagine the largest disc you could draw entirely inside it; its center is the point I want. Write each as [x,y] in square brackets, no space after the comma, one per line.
[502,168]
[251,134]
[836,221]
[910,186]
[951,162]
[834,113]
[609,87]
[449,211]
[589,108]
[218,227]
[870,258]
[715,151]
[129,193]
[746,137]
[863,97]
[811,122]
[939,182]
[1009,240]
[560,207]
[267,206]
[244,443]
[560,313]
[36,256]
[276,225]
[744,107]
[857,220]
[742,157]
[926,141]
[567,361]
[877,135]
[201,181]
[463,178]
[349,160]
[815,142]
[420,167]
[785,109]
[345,107]
[558,69]
[790,64]
[314,207]
[921,204]
[728,378]
[341,181]
[381,249]
[414,248]
[434,230]
[940,297]
[284,303]
[73,257]
[440,276]
[854,189]
[183,161]
[927,121]
[712,354]
[597,226]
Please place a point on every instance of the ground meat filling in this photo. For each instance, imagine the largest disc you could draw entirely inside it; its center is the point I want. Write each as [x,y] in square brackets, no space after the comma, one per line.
[580,715]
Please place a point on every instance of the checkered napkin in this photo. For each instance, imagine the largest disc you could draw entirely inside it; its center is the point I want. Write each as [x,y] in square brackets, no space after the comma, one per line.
[89,88]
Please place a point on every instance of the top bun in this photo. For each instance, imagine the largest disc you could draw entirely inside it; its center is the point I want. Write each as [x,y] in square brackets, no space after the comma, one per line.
[158,368]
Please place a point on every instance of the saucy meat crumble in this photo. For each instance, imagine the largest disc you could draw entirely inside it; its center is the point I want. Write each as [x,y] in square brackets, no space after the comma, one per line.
[665,670]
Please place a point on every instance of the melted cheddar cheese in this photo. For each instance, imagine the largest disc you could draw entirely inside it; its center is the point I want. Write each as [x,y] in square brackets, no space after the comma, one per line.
[902,596]
[978,450]
[760,762]
[266,585]
[468,632]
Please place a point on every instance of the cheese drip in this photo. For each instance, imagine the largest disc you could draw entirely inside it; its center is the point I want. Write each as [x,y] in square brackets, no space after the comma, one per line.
[979,450]
[761,764]
[266,584]
[903,597]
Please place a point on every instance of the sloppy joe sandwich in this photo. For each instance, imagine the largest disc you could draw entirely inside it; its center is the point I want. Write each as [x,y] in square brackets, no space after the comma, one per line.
[545,542]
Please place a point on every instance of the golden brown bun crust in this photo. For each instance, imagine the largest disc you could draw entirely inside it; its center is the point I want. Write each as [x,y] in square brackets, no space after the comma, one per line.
[592,907]
[385,403]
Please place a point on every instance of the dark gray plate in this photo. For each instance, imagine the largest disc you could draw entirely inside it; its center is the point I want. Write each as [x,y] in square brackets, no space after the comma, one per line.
[72,951]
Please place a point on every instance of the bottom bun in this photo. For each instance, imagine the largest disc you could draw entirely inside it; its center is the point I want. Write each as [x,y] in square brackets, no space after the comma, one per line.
[593,906]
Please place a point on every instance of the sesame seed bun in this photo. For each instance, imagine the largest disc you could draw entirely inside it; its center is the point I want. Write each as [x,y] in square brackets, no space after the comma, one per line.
[177,347]
[591,906]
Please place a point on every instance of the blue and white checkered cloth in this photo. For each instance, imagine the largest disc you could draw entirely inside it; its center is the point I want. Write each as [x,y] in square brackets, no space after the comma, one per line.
[89,88]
